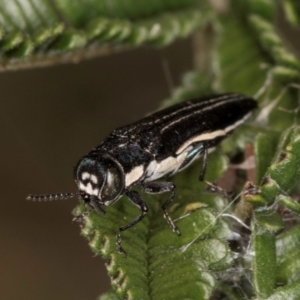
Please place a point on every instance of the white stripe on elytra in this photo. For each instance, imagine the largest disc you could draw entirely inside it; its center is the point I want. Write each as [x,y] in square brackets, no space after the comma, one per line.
[169,165]
[134,175]
[201,137]
[197,105]
[236,124]
[211,135]
[193,113]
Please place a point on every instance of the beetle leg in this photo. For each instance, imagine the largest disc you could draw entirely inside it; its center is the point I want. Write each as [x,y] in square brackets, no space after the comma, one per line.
[158,188]
[138,201]
[204,163]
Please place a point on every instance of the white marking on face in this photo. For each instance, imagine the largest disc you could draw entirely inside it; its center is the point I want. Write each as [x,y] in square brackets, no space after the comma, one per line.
[88,189]
[85,175]
[201,137]
[135,174]
[94,179]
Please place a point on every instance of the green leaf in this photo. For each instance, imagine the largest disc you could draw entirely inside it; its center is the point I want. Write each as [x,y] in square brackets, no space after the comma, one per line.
[109,296]
[291,292]
[289,203]
[239,66]
[288,262]
[264,147]
[292,11]
[155,253]
[271,42]
[44,31]
[283,173]
[264,261]
[268,219]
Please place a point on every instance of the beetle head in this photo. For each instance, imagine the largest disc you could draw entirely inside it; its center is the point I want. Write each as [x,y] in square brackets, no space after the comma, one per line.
[99,178]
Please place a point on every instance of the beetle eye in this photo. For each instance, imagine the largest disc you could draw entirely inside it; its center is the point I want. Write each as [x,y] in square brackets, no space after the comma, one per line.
[113,185]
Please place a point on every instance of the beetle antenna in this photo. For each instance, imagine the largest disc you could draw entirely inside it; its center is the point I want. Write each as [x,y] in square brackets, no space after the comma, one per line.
[49,197]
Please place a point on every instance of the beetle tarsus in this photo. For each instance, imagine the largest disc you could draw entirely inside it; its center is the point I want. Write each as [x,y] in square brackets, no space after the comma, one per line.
[217,189]
[171,223]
